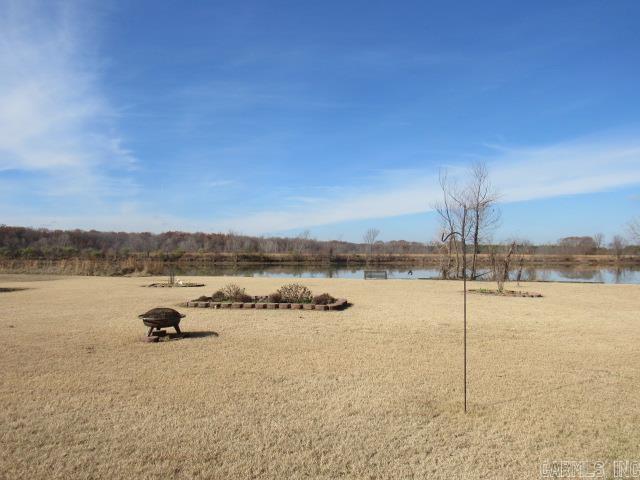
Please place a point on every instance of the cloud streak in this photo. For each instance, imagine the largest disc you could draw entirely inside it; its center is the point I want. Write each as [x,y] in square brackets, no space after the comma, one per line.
[582,166]
[586,165]
[59,141]
[54,121]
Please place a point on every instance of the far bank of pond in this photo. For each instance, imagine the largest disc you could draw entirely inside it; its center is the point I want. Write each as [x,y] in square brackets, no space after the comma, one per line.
[585,268]
[556,274]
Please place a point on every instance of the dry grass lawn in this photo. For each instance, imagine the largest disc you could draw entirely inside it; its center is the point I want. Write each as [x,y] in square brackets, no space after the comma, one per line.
[370,392]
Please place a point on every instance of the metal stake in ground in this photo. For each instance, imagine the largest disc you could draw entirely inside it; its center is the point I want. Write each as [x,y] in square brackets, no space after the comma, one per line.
[464,283]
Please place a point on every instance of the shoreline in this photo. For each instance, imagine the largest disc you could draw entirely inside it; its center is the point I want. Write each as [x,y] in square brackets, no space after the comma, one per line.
[20,277]
[159,264]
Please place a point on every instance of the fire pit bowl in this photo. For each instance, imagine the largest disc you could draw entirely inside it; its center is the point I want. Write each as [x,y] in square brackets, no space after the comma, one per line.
[158,318]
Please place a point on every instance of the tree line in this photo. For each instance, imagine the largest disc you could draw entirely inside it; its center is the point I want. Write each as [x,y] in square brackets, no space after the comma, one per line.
[468,213]
[24,242]
[27,242]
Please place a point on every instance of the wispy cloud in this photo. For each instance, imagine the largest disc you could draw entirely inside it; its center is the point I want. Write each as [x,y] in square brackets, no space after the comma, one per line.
[54,122]
[125,217]
[585,165]
[220,183]
[59,137]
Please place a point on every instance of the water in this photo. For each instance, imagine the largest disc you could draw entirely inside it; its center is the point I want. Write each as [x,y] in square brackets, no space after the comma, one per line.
[556,274]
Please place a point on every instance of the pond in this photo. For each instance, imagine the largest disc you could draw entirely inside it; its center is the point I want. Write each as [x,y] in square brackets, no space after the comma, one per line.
[547,274]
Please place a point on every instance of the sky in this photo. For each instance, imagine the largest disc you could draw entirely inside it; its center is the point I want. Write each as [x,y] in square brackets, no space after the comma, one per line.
[272,118]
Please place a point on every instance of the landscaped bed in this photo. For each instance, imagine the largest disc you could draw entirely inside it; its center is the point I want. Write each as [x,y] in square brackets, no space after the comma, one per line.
[505,293]
[175,285]
[292,296]
[10,289]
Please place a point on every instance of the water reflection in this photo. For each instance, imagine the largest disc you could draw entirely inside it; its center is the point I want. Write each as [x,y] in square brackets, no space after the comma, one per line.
[529,274]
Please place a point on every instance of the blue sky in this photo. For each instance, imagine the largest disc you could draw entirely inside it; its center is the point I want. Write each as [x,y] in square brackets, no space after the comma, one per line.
[277,117]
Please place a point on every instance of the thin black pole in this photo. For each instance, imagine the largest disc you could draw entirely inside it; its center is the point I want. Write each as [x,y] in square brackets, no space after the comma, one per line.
[464,282]
[464,279]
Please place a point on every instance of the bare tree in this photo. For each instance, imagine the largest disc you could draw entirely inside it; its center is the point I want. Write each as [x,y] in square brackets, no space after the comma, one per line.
[501,263]
[598,239]
[521,250]
[617,245]
[369,238]
[454,213]
[578,245]
[172,275]
[473,205]
[302,241]
[456,221]
[233,242]
[445,259]
[634,229]
[485,215]
[447,218]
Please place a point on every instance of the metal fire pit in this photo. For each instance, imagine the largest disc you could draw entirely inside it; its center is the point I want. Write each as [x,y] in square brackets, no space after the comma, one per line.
[158,318]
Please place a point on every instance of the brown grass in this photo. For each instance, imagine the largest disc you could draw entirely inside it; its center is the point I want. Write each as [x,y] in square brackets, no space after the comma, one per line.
[371,392]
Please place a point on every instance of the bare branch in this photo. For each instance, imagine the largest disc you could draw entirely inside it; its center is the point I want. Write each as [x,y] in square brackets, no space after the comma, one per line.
[634,229]
[370,237]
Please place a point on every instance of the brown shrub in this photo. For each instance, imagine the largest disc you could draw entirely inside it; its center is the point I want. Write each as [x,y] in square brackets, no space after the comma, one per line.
[323,299]
[218,296]
[235,293]
[295,293]
[275,298]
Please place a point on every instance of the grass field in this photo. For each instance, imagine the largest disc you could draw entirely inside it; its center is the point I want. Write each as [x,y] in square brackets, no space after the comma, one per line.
[371,392]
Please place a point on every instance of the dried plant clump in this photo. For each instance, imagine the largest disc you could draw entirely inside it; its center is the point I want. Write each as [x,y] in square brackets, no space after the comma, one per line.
[231,293]
[218,296]
[275,297]
[295,293]
[323,299]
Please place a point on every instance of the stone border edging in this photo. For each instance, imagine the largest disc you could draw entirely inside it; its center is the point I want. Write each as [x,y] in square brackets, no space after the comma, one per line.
[339,304]
[506,293]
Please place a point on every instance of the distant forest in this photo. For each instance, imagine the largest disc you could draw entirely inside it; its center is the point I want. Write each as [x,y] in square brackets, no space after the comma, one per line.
[30,243]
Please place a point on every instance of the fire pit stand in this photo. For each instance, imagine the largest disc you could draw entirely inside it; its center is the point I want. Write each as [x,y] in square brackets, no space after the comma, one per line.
[159,318]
